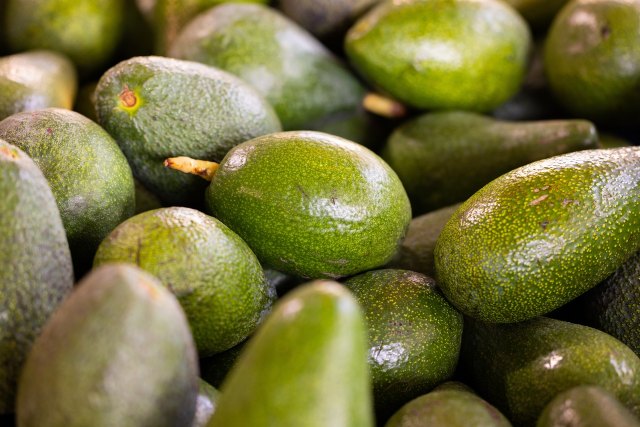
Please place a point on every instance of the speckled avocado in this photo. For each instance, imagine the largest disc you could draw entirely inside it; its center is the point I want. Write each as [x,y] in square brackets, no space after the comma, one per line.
[214,274]
[160,107]
[443,158]
[117,352]
[324,382]
[442,54]
[541,235]
[521,367]
[414,334]
[36,271]
[88,174]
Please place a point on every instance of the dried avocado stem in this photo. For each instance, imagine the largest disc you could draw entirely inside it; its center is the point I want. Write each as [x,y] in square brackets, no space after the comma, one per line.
[202,168]
[383,106]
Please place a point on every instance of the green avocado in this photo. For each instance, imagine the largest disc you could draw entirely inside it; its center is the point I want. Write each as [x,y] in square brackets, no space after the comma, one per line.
[442,54]
[539,236]
[306,366]
[521,367]
[117,352]
[214,369]
[443,158]
[539,13]
[160,107]
[35,264]
[145,199]
[414,334]
[208,398]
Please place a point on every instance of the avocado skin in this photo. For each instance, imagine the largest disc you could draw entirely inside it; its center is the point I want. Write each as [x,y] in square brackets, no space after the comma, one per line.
[586,406]
[206,404]
[520,367]
[414,334]
[539,13]
[324,382]
[145,199]
[118,352]
[88,174]
[541,235]
[442,54]
[311,204]
[443,158]
[36,271]
[34,80]
[214,369]
[449,405]
[182,109]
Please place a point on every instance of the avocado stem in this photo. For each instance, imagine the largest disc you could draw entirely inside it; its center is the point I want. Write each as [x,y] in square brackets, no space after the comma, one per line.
[202,168]
[383,106]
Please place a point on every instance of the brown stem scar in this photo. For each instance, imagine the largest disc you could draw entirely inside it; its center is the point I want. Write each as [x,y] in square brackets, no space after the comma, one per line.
[128,97]
[539,200]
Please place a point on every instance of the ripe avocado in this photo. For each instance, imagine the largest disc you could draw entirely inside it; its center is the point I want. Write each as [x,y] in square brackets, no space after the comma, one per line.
[541,235]
[35,271]
[118,352]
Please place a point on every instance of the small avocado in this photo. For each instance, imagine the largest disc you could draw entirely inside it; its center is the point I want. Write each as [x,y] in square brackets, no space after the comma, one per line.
[414,334]
[216,277]
[85,101]
[160,107]
[586,406]
[36,272]
[539,13]
[208,398]
[118,352]
[443,158]
[306,366]
[145,199]
[537,237]
[520,367]
[442,54]
[214,369]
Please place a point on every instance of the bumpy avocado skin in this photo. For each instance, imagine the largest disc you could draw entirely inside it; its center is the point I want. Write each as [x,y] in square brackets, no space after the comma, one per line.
[541,235]
[160,107]
[520,367]
[34,80]
[301,79]
[36,271]
[443,158]
[88,174]
[586,406]
[442,54]
[414,334]
[311,204]
[217,279]
[118,352]
[324,382]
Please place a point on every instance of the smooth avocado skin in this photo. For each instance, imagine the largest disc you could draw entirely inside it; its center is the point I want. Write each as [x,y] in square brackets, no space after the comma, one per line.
[586,406]
[161,107]
[520,367]
[442,54]
[311,204]
[537,237]
[213,273]
[206,403]
[36,271]
[414,334]
[88,174]
[442,158]
[118,352]
[324,382]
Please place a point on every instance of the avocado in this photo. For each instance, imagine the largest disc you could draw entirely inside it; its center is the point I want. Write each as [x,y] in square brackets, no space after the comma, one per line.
[214,369]
[34,80]
[608,140]
[217,279]
[414,334]
[539,13]
[442,54]
[208,398]
[86,31]
[306,366]
[85,101]
[145,199]
[117,352]
[160,107]
[36,271]
[586,406]
[520,367]
[539,236]
[449,405]
[443,158]
[87,172]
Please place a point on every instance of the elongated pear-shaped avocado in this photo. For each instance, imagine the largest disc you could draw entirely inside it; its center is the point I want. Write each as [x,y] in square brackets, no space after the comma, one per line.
[443,158]
[305,367]
[539,236]
[118,352]
[36,272]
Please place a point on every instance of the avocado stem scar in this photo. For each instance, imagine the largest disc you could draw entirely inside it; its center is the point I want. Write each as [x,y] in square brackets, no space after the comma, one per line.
[6,151]
[383,106]
[128,97]
[202,168]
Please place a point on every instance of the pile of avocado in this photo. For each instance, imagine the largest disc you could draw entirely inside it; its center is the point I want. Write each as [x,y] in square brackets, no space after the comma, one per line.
[320,213]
